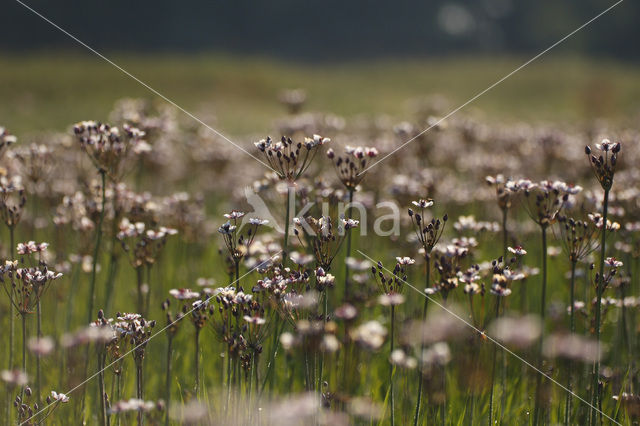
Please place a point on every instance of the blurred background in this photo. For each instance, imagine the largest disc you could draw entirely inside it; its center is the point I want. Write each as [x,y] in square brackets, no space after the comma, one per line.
[229,60]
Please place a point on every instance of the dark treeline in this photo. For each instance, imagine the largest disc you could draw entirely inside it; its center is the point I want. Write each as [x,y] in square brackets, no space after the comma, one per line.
[325,30]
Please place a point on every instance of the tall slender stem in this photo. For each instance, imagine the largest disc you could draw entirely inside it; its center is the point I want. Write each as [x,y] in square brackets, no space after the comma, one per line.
[12,314]
[416,415]
[92,282]
[505,235]
[139,283]
[599,291]
[347,293]
[543,309]
[168,380]
[572,328]
[39,333]
[101,388]
[391,366]
[96,250]
[197,362]
[493,368]
[285,246]
[503,354]
[139,389]
[23,317]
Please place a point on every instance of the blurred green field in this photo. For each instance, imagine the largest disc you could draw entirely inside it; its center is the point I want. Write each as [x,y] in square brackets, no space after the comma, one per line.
[51,91]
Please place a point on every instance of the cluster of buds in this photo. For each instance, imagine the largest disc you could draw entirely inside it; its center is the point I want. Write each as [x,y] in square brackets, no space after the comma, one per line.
[501,277]
[278,280]
[238,244]
[290,159]
[427,232]
[611,269]
[324,280]
[448,266]
[322,238]
[470,278]
[143,245]
[29,283]
[544,200]
[26,410]
[503,195]
[392,285]
[136,330]
[579,237]
[604,164]
[12,200]
[352,166]
[106,146]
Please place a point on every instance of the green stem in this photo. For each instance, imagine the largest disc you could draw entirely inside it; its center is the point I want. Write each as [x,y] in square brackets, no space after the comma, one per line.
[599,291]
[416,415]
[24,342]
[140,282]
[12,326]
[285,245]
[503,354]
[168,381]
[536,411]
[197,363]
[493,368]
[39,331]
[572,328]
[147,302]
[101,390]
[139,389]
[92,282]
[391,366]
[347,293]
[96,250]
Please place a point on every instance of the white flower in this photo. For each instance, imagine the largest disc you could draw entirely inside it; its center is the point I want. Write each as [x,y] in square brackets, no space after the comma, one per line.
[405,260]
[423,204]
[59,397]
[612,262]
[517,250]
[184,293]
